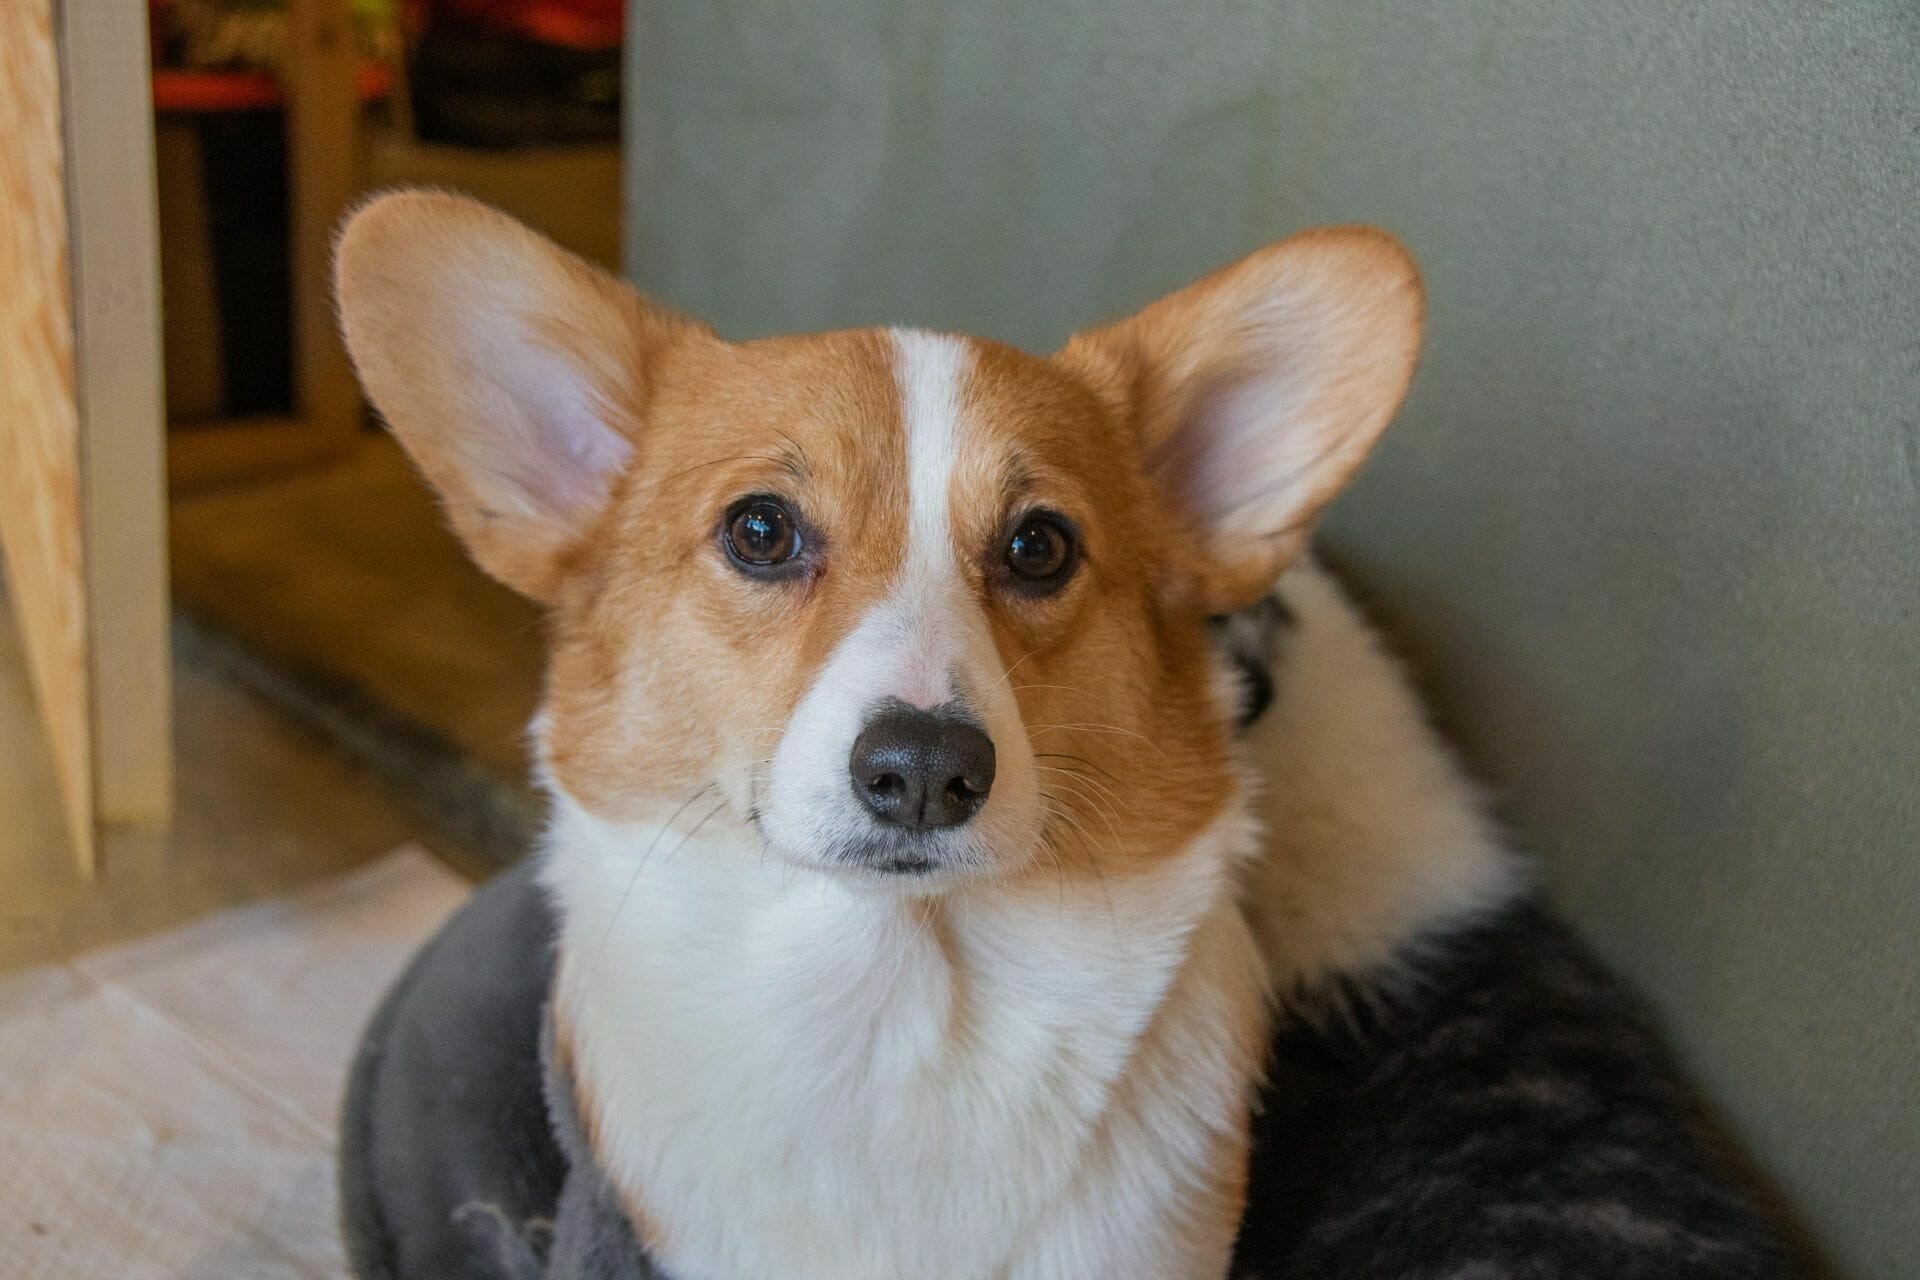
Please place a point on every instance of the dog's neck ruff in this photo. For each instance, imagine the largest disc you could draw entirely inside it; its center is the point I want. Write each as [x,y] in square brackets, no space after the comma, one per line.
[786,1075]
[783,1074]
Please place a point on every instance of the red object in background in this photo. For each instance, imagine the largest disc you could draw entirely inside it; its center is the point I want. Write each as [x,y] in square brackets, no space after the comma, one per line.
[183,91]
[574,24]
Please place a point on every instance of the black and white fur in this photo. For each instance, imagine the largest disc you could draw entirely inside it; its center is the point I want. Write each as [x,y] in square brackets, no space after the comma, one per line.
[1456,1088]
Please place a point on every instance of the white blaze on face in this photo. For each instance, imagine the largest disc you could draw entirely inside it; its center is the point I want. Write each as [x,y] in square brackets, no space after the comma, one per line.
[927,643]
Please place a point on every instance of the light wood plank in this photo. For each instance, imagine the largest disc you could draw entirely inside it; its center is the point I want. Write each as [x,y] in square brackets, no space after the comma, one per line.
[115,247]
[41,511]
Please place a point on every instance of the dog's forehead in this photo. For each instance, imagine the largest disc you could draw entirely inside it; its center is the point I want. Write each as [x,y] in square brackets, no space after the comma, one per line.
[853,403]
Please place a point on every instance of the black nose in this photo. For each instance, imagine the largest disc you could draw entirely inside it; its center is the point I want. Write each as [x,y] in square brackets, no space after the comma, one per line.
[921,769]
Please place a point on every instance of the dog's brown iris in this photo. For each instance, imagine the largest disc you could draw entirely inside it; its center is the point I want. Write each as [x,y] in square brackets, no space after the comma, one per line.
[1040,550]
[762,533]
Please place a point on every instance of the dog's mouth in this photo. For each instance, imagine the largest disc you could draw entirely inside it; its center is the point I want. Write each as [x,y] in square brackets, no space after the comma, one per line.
[890,856]
[914,864]
[908,865]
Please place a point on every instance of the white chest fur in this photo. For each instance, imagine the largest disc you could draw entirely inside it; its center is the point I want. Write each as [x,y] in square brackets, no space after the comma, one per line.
[793,1078]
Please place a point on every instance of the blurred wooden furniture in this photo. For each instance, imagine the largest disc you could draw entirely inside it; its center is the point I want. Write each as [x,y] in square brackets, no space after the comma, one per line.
[322,93]
[82,503]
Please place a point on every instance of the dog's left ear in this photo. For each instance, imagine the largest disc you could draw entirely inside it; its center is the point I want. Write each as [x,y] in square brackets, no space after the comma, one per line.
[1258,391]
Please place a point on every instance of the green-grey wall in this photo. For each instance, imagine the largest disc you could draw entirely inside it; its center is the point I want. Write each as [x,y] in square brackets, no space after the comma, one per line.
[1650,523]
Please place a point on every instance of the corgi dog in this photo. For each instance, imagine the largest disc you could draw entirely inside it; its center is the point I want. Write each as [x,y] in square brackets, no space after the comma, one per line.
[919,911]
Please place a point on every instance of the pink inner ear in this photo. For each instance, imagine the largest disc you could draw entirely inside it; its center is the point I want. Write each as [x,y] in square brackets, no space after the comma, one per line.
[585,452]
[1249,457]
[554,447]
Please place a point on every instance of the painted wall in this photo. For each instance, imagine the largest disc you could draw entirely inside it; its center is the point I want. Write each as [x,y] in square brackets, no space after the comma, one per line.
[1650,523]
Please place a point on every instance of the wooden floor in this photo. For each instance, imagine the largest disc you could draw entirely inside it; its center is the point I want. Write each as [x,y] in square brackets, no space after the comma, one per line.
[347,573]
[262,808]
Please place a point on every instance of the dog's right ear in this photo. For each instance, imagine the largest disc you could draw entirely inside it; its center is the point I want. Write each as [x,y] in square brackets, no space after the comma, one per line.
[514,373]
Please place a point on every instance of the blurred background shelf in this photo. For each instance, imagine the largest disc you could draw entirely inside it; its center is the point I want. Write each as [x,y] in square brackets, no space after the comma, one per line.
[303,545]
[311,105]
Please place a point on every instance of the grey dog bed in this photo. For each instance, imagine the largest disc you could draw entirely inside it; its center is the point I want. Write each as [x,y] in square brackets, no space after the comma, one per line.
[1516,1117]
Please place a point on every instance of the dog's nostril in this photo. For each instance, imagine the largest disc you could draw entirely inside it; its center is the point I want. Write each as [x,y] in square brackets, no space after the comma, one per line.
[922,769]
[963,797]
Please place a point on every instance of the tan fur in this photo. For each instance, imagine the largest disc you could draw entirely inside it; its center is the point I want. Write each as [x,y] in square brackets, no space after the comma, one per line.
[631,694]
[588,445]
[1112,677]
[1353,297]
[410,265]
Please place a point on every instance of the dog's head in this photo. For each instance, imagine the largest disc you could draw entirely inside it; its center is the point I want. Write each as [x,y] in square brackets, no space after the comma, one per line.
[916,606]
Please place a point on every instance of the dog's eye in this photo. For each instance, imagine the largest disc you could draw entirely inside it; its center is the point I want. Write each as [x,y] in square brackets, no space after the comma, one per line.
[761,533]
[1040,551]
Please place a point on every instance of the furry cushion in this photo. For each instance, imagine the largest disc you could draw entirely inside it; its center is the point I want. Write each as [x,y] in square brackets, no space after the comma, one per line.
[1515,1116]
